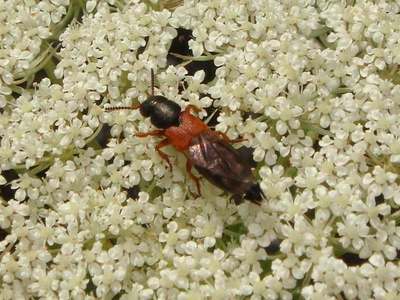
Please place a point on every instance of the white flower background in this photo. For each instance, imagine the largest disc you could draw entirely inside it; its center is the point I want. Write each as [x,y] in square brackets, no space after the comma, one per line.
[89,211]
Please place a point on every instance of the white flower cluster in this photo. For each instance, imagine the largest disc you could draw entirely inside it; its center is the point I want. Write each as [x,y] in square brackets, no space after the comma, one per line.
[313,88]
[25,27]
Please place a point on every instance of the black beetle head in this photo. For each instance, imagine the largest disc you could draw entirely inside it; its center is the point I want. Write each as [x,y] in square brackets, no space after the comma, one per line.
[163,113]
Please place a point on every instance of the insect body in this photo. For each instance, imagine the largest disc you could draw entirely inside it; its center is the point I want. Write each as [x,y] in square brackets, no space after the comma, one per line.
[215,159]
[209,151]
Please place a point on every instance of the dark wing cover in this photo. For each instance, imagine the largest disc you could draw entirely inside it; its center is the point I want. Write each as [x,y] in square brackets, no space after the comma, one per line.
[220,163]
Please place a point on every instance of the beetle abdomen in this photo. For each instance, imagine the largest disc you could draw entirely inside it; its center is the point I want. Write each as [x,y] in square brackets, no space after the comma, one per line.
[222,165]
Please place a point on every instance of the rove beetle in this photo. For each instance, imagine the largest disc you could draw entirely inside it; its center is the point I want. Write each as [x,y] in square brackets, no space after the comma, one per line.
[209,151]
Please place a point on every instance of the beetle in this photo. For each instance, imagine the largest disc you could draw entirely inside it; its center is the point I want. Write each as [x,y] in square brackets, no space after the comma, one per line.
[209,151]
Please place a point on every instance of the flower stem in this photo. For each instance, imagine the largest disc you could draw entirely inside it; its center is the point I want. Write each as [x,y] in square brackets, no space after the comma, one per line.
[74,9]
[94,135]
[40,168]
[37,65]
[194,58]
[49,69]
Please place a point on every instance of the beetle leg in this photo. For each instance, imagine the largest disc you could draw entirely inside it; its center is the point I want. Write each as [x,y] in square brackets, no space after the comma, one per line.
[238,199]
[164,156]
[191,108]
[227,139]
[152,82]
[194,178]
[150,133]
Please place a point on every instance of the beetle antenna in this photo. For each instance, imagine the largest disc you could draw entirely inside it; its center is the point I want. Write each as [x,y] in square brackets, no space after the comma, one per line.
[152,82]
[122,107]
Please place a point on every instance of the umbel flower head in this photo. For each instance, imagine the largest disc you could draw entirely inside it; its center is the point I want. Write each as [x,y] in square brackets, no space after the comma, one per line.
[88,210]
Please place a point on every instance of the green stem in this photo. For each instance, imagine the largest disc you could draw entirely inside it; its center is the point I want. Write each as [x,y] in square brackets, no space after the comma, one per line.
[29,80]
[342,90]
[231,233]
[22,166]
[94,135]
[119,5]
[81,3]
[376,161]
[330,222]
[322,39]
[151,187]
[318,32]
[194,58]
[17,89]
[4,202]
[7,250]
[184,63]
[67,154]
[43,60]
[307,278]
[73,12]
[395,216]
[49,69]
[339,249]
[316,128]
[40,168]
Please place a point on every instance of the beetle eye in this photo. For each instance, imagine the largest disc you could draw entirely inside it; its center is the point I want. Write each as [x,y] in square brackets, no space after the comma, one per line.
[146,108]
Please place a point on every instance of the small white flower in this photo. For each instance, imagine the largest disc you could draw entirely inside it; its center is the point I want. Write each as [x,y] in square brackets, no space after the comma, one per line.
[352,231]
